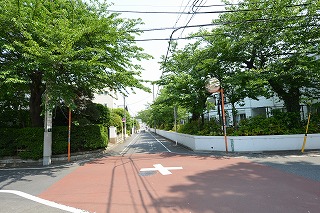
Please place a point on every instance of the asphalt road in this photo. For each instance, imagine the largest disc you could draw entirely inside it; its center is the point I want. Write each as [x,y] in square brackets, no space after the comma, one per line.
[159,176]
[148,142]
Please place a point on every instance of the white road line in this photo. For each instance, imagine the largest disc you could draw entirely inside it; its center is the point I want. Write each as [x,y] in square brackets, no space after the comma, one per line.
[44,202]
[127,147]
[160,143]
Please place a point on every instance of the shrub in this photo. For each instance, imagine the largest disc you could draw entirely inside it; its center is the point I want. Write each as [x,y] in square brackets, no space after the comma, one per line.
[191,128]
[89,138]
[212,127]
[83,138]
[116,121]
[279,124]
[8,145]
[196,128]
[29,141]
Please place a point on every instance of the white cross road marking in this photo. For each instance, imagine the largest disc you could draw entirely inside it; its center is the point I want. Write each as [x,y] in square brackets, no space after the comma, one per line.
[161,169]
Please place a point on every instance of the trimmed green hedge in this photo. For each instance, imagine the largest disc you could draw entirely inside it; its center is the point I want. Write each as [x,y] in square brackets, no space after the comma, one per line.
[27,143]
[279,124]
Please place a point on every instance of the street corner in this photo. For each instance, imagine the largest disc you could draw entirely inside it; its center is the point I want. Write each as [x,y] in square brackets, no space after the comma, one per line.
[166,182]
[31,203]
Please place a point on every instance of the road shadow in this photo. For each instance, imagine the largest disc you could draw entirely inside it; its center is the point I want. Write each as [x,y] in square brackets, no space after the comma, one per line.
[12,175]
[298,167]
[243,187]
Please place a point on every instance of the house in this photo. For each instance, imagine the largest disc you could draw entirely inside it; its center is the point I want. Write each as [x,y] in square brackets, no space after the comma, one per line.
[106,98]
[252,108]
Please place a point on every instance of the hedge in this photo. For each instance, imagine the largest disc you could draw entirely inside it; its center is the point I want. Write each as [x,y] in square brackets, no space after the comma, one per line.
[27,143]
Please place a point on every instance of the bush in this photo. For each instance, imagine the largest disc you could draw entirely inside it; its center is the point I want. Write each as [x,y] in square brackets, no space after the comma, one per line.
[30,143]
[196,128]
[116,121]
[88,138]
[83,138]
[14,118]
[279,124]
[27,143]
[8,145]
[191,128]
[212,127]
[314,125]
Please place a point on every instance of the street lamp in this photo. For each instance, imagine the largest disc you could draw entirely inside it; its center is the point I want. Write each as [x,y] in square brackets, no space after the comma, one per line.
[213,86]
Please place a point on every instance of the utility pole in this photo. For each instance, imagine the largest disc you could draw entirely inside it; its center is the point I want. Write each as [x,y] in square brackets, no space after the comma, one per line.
[124,119]
[153,92]
[47,139]
[175,117]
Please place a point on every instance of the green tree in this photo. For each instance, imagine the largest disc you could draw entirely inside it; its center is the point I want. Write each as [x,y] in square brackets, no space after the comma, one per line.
[276,41]
[116,121]
[218,59]
[59,47]
[185,81]
[160,114]
[145,116]
[120,113]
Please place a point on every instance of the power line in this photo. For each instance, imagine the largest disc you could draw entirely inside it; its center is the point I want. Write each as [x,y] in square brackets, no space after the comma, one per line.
[175,25]
[189,19]
[161,12]
[239,22]
[221,23]
[195,12]
[209,35]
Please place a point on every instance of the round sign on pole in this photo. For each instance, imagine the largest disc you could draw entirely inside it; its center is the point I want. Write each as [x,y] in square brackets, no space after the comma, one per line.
[213,85]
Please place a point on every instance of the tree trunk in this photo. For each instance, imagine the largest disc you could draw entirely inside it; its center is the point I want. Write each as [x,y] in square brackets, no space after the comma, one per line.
[291,100]
[291,97]
[195,116]
[234,115]
[36,90]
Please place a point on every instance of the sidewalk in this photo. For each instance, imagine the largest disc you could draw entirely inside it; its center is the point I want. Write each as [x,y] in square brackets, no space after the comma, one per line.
[16,162]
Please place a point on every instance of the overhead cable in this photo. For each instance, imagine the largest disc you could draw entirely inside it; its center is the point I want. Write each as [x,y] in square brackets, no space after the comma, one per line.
[195,12]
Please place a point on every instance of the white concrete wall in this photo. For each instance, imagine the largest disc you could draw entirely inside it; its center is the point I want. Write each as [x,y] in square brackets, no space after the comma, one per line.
[105,99]
[243,143]
[184,139]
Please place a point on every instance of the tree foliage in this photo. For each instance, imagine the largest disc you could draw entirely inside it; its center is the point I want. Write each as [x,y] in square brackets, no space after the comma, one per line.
[160,114]
[58,48]
[276,42]
[184,80]
[259,48]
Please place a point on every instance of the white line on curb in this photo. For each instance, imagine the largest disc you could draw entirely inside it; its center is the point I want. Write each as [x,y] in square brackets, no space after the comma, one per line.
[44,202]
[124,150]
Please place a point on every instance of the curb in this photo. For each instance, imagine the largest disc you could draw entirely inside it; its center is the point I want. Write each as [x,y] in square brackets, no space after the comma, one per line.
[12,162]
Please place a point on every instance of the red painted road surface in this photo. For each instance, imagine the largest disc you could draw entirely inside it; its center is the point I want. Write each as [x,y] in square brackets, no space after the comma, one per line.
[205,184]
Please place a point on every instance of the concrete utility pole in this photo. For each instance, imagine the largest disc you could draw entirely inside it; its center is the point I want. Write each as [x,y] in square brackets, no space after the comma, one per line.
[47,139]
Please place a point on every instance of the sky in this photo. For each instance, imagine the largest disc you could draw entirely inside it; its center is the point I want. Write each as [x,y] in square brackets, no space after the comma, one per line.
[140,100]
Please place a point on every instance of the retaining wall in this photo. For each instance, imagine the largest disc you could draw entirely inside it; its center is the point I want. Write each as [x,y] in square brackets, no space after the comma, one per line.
[243,143]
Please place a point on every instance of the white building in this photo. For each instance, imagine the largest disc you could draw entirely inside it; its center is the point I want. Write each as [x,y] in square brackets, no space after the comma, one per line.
[252,108]
[106,98]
